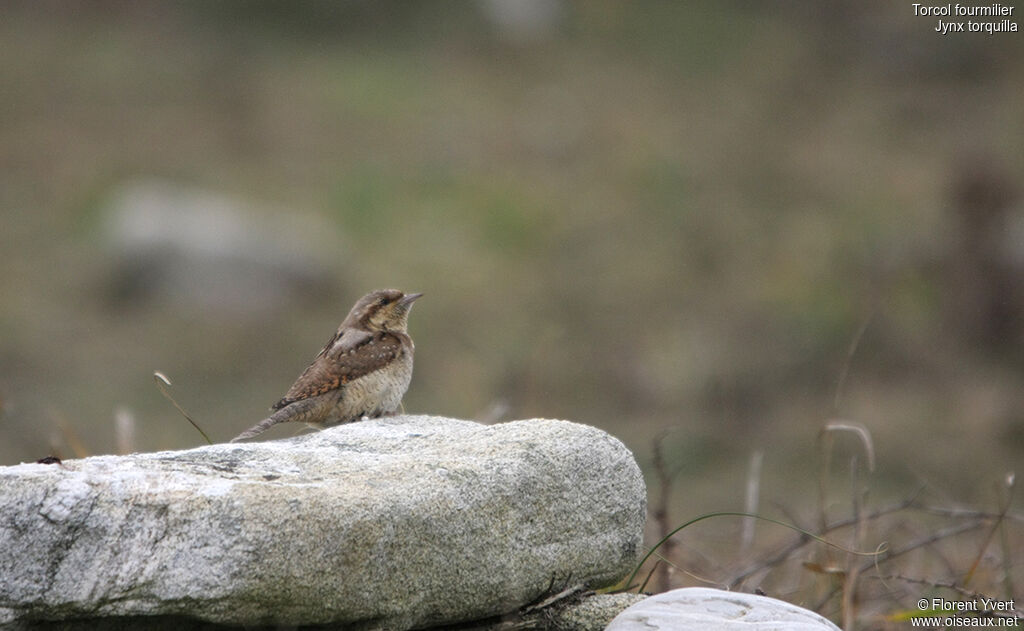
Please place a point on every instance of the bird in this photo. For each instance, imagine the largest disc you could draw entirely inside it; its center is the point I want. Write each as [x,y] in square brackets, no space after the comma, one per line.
[363,371]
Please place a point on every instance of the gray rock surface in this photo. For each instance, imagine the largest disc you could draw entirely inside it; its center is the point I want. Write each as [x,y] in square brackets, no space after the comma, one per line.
[394,523]
[701,608]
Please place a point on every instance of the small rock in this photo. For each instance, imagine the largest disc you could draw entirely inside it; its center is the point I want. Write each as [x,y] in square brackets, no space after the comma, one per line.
[704,609]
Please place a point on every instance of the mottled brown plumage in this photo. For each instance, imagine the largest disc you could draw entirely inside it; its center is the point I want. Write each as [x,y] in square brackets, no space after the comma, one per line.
[363,370]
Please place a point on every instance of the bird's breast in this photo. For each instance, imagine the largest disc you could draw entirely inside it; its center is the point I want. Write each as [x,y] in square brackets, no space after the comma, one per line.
[375,393]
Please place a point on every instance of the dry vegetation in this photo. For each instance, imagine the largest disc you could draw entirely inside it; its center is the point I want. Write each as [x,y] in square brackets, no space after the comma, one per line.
[861,564]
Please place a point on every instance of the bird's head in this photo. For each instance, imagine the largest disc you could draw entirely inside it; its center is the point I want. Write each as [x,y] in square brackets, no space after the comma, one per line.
[382,310]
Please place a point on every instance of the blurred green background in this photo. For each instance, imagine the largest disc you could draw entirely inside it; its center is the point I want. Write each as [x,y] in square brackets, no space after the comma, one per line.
[721,223]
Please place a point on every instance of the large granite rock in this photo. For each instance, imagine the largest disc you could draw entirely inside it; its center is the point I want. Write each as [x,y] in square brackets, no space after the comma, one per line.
[705,609]
[394,523]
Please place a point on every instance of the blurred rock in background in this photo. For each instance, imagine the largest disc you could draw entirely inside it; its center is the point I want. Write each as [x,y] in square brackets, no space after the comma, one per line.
[523,21]
[182,246]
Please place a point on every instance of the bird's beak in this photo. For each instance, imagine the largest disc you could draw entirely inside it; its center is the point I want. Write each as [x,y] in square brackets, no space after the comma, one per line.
[408,299]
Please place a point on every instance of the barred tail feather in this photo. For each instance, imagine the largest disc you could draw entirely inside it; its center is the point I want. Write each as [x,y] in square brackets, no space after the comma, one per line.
[258,428]
[304,411]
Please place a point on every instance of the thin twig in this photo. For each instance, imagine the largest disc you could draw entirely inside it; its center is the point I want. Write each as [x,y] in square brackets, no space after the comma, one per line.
[800,541]
[971,594]
[161,382]
[568,592]
[777,522]
[751,499]
[1004,541]
[888,555]
[845,368]
[968,513]
[988,539]
[892,553]
[849,602]
[967,593]
[661,510]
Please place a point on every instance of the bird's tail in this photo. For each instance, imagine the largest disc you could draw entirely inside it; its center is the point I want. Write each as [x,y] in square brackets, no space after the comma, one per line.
[258,428]
[305,410]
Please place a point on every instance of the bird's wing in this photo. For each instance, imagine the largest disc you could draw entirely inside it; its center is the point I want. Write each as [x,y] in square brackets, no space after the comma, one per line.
[350,354]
